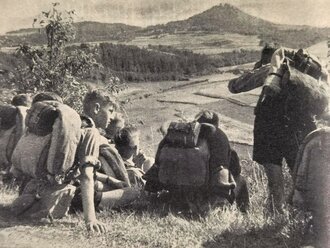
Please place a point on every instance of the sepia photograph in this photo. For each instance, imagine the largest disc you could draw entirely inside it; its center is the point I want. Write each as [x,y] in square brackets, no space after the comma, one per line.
[165,123]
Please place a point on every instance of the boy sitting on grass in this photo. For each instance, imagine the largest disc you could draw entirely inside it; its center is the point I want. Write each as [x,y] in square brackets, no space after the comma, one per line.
[127,142]
[44,190]
[98,189]
[240,193]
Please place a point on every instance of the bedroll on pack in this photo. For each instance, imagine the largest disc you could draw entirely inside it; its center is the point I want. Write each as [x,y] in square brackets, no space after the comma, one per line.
[182,163]
[49,145]
[312,171]
[183,134]
[249,80]
[12,125]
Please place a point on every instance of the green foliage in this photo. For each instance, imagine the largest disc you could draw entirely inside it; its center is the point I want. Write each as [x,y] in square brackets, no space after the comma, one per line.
[158,63]
[136,64]
[54,67]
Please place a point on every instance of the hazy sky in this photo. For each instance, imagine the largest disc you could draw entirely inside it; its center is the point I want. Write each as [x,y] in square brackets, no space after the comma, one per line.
[17,14]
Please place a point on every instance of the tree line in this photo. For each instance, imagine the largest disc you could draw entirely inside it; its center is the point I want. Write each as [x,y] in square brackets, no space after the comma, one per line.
[157,63]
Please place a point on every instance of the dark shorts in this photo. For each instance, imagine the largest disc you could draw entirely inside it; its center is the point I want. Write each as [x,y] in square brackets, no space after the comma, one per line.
[274,141]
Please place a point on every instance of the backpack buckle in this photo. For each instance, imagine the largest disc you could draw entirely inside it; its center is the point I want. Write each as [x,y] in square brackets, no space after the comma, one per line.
[55,179]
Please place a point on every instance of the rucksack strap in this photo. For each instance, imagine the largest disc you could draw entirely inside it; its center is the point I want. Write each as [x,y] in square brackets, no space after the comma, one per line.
[18,130]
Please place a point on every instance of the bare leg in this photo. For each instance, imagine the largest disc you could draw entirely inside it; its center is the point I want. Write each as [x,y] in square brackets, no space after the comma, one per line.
[120,197]
[275,186]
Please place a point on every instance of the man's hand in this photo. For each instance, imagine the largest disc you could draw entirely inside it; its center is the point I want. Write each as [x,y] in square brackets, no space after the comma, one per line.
[96,226]
[139,159]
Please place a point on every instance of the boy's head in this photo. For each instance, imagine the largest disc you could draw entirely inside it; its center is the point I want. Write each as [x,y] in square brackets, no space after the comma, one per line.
[207,116]
[21,100]
[115,125]
[101,107]
[127,141]
[47,96]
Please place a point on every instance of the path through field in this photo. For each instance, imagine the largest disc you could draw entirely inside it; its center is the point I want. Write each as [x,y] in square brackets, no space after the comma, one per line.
[149,105]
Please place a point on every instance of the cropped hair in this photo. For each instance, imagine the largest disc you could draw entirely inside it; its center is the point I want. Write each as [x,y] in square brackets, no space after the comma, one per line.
[21,100]
[47,96]
[115,125]
[125,137]
[207,116]
[125,141]
[99,96]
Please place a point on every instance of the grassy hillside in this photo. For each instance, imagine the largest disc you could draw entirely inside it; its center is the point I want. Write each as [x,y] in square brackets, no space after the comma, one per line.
[150,224]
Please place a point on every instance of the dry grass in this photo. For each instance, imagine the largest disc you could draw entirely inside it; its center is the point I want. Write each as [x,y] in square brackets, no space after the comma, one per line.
[147,225]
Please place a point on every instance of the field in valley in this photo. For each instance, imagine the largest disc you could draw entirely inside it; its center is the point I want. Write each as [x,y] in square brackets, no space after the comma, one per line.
[201,43]
[204,43]
[148,105]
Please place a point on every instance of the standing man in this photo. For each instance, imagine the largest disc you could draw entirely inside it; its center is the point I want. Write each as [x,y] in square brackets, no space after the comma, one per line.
[284,115]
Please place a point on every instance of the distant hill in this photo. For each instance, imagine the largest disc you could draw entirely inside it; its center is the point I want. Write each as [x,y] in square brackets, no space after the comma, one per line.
[226,18]
[220,18]
[85,32]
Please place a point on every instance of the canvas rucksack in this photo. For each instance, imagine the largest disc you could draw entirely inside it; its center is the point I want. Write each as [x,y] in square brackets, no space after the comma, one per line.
[312,170]
[305,94]
[182,163]
[12,125]
[312,182]
[249,80]
[48,147]
[45,154]
[184,159]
